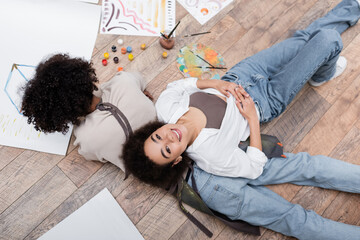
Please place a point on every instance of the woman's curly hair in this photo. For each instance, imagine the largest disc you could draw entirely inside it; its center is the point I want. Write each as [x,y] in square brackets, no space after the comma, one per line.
[60,92]
[138,164]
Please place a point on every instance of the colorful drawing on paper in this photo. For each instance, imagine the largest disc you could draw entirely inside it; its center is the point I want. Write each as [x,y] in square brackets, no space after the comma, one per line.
[195,60]
[14,125]
[18,76]
[137,17]
[204,10]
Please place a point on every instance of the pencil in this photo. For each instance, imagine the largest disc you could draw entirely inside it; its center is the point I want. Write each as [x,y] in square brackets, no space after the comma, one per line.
[195,34]
[172,31]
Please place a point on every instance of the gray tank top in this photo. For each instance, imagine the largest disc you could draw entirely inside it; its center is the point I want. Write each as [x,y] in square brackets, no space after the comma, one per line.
[212,106]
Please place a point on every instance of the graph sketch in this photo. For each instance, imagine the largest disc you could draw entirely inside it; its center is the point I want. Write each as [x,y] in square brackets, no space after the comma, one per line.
[18,76]
[13,125]
[137,17]
[204,10]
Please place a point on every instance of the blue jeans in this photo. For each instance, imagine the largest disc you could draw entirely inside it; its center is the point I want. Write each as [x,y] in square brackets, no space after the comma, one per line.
[273,77]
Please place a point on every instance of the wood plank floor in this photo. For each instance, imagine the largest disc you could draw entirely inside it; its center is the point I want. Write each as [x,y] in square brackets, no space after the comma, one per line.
[38,190]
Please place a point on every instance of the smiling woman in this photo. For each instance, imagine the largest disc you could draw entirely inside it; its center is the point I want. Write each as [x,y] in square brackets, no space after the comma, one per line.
[231,180]
[160,175]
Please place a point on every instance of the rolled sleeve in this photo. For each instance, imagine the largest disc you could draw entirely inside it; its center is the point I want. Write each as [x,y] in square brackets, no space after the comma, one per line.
[256,155]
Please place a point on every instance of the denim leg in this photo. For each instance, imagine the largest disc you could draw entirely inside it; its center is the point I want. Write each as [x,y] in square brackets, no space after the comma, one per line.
[269,61]
[273,93]
[259,206]
[318,171]
[264,66]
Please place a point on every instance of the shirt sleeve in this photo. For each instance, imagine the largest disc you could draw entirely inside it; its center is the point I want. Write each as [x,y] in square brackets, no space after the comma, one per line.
[175,96]
[249,164]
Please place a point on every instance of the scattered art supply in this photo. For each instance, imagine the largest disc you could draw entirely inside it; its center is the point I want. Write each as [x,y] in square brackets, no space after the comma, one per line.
[204,10]
[167,43]
[106,55]
[99,218]
[120,69]
[198,60]
[131,57]
[173,30]
[123,50]
[164,54]
[116,60]
[195,34]
[113,48]
[120,41]
[137,17]
[129,49]
[104,62]
[163,35]
[211,67]
[55,36]
[143,46]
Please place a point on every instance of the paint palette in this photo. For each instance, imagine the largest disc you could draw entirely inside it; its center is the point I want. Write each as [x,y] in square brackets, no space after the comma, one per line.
[194,60]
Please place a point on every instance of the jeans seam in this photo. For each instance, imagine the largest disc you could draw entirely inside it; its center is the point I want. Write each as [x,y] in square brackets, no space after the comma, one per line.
[309,76]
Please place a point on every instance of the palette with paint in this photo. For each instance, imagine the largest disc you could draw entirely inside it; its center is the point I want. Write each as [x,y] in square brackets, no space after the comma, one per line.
[195,60]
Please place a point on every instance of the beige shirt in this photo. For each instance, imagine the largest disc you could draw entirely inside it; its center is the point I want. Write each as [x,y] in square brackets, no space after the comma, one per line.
[100,136]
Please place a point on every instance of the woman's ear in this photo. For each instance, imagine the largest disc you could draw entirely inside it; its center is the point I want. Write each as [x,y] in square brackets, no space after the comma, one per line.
[177,160]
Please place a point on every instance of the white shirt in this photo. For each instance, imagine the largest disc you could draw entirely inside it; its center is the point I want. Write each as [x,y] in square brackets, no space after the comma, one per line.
[214,150]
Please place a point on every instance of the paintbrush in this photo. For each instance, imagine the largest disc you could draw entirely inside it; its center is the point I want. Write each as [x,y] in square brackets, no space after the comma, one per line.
[195,34]
[211,67]
[163,35]
[172,31]
[202,58]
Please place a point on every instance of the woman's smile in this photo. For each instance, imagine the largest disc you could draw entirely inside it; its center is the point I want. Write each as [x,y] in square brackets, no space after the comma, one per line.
[177,133]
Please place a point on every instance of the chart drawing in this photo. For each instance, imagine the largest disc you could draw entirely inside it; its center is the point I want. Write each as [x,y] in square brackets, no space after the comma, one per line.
[204,10]
[137,17]
[18,76]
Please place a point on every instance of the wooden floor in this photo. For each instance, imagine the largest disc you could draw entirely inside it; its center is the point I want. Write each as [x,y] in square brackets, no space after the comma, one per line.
[38,190]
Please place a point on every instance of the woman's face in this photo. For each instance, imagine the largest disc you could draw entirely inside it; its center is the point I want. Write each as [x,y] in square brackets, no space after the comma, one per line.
[167,143]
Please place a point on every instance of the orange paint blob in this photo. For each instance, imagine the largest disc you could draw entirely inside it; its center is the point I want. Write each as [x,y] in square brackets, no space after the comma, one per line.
[204,11]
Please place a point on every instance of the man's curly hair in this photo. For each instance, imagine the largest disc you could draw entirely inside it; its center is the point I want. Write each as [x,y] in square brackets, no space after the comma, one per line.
[138,164]
[60,92]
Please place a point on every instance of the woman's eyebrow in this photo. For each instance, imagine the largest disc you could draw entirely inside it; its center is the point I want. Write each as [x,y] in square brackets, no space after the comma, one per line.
[152,138]
[162,153]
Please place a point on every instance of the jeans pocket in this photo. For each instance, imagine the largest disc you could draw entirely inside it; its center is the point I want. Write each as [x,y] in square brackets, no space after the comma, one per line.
[230,77]
[223,200]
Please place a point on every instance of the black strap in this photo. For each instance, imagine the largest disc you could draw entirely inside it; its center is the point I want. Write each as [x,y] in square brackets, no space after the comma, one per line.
[236,224]
[120,117]
[189,215]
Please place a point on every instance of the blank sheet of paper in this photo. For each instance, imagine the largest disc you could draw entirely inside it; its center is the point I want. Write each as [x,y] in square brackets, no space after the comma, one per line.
[100,218]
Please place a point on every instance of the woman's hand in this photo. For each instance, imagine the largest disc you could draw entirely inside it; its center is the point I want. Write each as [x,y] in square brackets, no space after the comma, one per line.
[246,107]
[228,88]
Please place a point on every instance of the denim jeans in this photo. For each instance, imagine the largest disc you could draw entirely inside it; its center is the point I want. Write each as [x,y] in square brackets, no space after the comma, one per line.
[273,77]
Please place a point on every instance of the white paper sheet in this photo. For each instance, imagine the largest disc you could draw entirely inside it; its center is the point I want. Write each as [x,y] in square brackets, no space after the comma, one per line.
[32,30]
[204,10]
[137,17]
[99,218]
